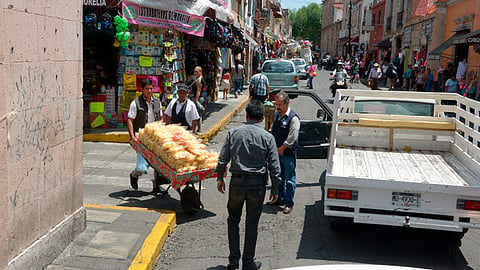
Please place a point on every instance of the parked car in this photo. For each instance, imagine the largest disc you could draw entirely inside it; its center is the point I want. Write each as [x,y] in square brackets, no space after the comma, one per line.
[300,65]
[281,74]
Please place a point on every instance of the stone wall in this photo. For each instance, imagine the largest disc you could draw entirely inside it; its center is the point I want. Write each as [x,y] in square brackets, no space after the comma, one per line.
[41,119]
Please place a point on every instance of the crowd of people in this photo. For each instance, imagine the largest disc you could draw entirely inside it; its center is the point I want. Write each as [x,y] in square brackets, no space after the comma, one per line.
[417,77]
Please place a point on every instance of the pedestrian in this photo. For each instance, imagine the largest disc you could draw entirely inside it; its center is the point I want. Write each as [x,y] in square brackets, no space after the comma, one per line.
[259,86]
[285,129]
[391,76]
[447,74]
[144,109]
[470,90]
[406,76]
[311,71]
[438,79]
[384,73]
[421,80]
[429,84]
[252,152]
[238,76]
[451,85]
[199,95]
[226,83]
[182,110]
[462,68]
[374,75]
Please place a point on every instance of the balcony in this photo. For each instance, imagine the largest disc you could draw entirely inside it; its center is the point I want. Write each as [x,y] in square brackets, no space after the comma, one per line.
[264,16]
[400,19]
[388,25]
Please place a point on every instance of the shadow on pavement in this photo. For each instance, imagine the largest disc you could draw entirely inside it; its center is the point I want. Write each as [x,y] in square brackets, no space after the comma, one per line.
[361,243]
[132,199]
[212,108]
[218,267]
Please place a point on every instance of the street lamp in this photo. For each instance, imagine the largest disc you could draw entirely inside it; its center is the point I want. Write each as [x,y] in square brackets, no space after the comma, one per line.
[349,47]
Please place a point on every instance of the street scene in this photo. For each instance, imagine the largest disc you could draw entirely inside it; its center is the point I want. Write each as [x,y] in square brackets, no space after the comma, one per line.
[240,134]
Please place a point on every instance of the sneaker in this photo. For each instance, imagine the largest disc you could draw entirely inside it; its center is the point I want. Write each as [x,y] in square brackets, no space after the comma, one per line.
[287,210]
[133,181]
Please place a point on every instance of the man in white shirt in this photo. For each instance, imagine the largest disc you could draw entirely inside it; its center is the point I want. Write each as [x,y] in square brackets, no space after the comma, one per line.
[462,69]
[182,110]
[144,109]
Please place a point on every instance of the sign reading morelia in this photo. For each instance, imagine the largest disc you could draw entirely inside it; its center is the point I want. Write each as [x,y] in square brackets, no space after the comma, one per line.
[154,17]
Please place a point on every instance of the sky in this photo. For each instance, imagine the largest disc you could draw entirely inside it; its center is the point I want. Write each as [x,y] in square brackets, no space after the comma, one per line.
[297,4]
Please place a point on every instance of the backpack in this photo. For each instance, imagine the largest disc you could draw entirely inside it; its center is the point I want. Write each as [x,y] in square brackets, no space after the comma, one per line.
[90,23]
[105,24]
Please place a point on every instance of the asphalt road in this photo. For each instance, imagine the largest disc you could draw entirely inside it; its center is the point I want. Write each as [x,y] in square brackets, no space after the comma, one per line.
[303,237]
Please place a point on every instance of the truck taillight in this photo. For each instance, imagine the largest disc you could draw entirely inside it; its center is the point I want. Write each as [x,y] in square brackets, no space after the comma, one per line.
[468,205]
[296,79]
[342,194]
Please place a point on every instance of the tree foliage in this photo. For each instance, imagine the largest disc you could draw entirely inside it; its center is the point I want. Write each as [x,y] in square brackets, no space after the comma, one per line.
[307,22]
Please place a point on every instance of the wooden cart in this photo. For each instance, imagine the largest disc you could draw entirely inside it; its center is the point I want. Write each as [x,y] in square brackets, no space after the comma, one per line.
[189,196]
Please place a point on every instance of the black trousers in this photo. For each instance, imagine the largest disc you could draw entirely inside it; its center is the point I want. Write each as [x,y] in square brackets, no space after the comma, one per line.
[249,190]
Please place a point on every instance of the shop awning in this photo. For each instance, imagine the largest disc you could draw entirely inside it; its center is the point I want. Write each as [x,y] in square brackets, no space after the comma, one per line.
[250,39]
[354,41]
[383,43]
[470,38]
[435,53]
[185,16]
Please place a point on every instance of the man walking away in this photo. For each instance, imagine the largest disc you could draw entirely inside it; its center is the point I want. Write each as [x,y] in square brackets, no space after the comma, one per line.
[251,151]
[259,86]
[285,129]
[144,109]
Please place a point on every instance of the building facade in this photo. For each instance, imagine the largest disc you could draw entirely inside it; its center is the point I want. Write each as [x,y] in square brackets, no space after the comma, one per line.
[331,27]
[41,130]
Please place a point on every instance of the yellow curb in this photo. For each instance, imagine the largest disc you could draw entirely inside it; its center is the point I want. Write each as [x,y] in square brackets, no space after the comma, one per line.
[148,254]
[118,137]
[207,136]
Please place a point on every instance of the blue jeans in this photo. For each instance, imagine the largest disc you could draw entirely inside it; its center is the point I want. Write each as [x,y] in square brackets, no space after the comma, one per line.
[286,188]
[237,84]
[310,82]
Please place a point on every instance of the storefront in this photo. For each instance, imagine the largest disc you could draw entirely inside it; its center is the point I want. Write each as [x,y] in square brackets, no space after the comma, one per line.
[164,46]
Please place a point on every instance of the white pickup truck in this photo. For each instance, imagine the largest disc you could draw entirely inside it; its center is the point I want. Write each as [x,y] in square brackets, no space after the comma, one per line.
[405,159]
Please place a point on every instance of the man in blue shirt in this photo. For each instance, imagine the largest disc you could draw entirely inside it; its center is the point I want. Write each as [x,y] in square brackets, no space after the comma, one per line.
[259,86]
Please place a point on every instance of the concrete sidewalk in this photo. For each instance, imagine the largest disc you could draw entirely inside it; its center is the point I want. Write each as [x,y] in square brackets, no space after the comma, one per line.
[122,237]
[216,116]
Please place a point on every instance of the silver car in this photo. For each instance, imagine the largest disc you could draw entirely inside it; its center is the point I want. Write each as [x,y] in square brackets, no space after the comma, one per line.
[281,74]
[300,64]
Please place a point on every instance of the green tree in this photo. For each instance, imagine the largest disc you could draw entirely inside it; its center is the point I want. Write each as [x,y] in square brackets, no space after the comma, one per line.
[307,22]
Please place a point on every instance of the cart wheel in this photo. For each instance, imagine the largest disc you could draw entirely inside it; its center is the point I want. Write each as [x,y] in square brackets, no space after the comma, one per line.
[190,199]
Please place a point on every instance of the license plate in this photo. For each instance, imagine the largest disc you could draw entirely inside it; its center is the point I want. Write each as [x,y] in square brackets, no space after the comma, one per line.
[406,199]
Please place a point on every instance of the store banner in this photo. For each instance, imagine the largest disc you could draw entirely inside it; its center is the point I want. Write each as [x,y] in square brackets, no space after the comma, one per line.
[164,18]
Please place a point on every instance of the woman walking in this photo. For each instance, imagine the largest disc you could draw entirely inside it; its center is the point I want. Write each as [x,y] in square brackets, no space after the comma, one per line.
[199,94]
[421,79]
[238,75]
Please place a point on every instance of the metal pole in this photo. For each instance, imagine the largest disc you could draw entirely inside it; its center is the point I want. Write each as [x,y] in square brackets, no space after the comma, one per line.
[349,47]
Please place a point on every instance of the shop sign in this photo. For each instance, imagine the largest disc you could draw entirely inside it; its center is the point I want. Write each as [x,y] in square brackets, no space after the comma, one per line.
[407,36]
[164,18]
[475,39]
[101,3]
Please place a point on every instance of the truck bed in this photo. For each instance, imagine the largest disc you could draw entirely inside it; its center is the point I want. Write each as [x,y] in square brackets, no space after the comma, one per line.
[430,167]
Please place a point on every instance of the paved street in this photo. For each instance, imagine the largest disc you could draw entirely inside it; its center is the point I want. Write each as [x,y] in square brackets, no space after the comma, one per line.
[301,238]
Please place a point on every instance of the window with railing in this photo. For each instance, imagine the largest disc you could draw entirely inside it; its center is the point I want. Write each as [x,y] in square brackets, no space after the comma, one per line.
[388,25]
[400,19]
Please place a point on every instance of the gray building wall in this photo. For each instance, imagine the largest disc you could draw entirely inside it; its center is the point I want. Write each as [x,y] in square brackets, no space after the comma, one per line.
[40,122]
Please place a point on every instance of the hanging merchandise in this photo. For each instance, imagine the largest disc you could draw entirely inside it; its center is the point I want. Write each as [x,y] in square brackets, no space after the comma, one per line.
[123,35]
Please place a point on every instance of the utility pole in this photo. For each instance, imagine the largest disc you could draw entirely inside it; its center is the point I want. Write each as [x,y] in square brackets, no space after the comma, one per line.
[349,47]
